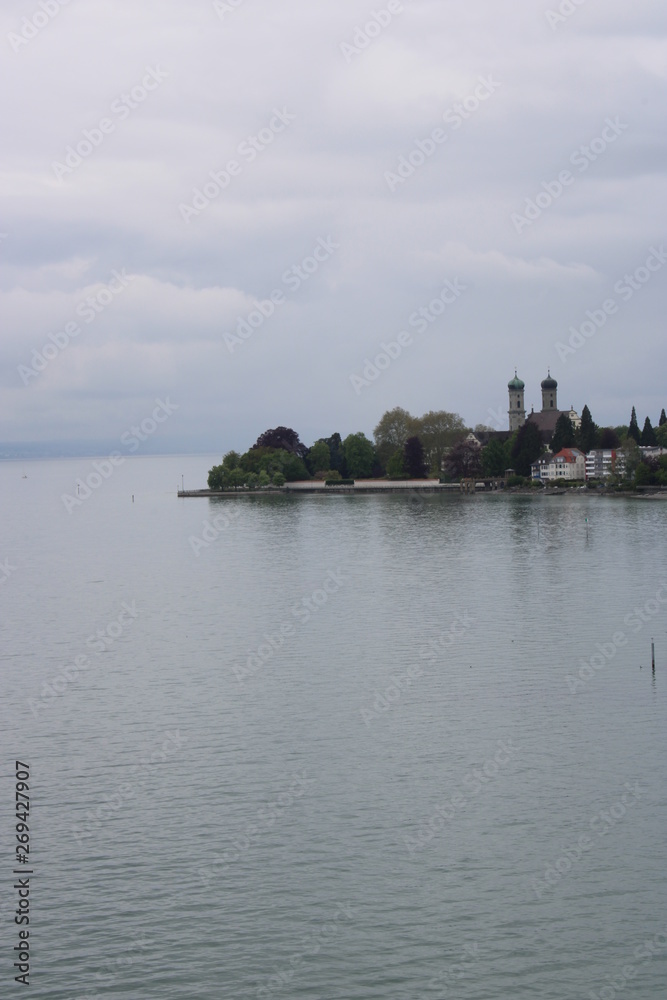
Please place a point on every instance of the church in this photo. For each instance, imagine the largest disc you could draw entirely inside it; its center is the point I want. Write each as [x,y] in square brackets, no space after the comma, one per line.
[546,418]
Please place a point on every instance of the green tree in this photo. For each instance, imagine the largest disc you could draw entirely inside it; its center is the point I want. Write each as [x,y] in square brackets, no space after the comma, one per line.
[526,448]
[588,433]
[217,478]
[415,462]
[632,457]
[633,429]
[319,457]
[236,478]
[337,452]
[231,460]
[661,435]
[264,480]
[279,479]
[359,456]
[393,430]
[648,439]
[663,418]
[438,431]
[644,476]
[252,480]
[564,434]
[495,458]
[396,465]
[256,459]
[294,468]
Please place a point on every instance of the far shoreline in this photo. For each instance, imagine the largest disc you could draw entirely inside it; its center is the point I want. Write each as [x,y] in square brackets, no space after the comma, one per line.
[427,487]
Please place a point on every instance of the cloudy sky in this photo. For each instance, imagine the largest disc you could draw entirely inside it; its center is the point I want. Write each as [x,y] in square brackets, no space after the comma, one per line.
[475,185]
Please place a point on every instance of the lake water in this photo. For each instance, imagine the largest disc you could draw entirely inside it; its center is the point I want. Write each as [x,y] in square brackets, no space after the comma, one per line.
[340,747]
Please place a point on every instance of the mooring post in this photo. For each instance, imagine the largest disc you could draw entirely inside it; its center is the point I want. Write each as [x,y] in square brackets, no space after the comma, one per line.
[652,655]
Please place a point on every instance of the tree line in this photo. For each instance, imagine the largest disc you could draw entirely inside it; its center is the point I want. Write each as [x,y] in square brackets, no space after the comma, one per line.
[407,447]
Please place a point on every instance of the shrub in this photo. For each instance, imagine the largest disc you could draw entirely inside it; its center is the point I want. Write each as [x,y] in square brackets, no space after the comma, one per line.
[339,482]
[515,481]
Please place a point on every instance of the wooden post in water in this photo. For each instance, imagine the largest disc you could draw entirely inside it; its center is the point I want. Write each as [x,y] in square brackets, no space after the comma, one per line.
[653,655]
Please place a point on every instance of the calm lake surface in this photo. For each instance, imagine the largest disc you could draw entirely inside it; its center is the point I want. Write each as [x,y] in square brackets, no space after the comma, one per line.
[333,753]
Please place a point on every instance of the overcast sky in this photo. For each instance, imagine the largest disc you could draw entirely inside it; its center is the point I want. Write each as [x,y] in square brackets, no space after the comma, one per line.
[371,159]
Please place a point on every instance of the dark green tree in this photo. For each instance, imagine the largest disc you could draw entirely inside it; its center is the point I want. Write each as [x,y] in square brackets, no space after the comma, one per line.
[526,448]
[294,468]
[564,434]
[633,429]
[609,438]
[396,465]
[337,452]
[587,435]
[644,475]
[231,460]
[359,456]
[663,418]
[495,458]
[415,462]
[648,439]
[661,435]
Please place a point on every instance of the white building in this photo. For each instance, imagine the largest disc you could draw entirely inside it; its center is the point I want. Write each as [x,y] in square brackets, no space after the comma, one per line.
[568,464]
[601,463]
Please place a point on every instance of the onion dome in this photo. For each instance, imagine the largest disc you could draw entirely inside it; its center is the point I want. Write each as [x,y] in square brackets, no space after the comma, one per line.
[549,382]
[516,385]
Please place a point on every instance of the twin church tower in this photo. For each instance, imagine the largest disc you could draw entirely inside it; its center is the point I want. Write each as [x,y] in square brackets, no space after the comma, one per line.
[546,420]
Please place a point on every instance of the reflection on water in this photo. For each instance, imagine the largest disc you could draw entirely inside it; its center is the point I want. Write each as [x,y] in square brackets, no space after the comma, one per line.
[336,751]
